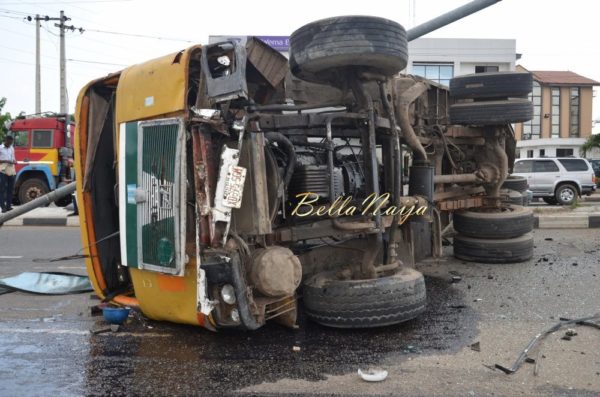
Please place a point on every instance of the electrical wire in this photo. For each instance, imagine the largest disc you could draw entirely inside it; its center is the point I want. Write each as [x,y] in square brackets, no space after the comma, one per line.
[143,36]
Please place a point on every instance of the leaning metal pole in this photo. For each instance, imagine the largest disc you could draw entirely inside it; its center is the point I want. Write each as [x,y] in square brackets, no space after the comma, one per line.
[38,202]
[448,18]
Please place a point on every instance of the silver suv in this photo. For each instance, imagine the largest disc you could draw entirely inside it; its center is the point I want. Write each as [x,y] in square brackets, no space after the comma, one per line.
[557,180]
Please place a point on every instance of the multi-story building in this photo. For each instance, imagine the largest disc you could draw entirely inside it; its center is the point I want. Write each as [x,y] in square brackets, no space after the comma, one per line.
[562,115]
[441,59]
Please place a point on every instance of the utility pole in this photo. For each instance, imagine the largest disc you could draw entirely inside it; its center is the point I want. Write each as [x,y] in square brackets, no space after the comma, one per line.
[38,74]
[64,106]
[64,103]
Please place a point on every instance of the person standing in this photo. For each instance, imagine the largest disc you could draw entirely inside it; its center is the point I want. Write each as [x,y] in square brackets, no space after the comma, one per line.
[7,173]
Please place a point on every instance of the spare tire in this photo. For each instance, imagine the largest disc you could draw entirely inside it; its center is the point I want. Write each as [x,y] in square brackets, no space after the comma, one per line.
[492,85]
[514,182]
[364,303]
[510,196]
[471,249]
[491,112]
[508,221]
[319,49]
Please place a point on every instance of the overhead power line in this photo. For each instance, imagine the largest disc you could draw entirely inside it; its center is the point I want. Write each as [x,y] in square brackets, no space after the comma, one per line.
[96,62]
[139,35]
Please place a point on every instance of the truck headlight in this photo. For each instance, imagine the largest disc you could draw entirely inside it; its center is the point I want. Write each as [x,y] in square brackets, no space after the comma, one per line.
[228,294]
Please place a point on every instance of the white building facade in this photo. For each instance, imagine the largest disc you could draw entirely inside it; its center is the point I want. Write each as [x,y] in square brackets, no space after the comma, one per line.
[441,59]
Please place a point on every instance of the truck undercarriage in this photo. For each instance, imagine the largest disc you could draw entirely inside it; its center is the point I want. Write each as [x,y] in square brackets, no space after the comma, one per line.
[331,176]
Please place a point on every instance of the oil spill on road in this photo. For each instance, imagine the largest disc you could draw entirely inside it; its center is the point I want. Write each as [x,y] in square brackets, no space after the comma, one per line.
[196,361]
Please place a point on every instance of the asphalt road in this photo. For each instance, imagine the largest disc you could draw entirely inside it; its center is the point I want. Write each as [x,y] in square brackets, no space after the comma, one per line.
[46,347]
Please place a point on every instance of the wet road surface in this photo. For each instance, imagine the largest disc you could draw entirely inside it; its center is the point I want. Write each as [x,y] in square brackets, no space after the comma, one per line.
[46,347]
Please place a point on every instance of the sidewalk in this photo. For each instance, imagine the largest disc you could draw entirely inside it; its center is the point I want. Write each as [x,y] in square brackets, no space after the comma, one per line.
[557,217]
[46,216]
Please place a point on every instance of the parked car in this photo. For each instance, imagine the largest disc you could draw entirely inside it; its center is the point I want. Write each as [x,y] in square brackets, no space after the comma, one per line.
[557,180]
[596,166]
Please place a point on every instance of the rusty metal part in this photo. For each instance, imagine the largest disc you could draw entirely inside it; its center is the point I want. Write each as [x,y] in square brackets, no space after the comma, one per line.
[203,170]
[495,141]
[404,100]
[456,204]
[353,226]
[454,131]
[390,266]
[367,266]
[396,177]
[368,141]
[253,217]
[458,191]
[275,271]
[458,178]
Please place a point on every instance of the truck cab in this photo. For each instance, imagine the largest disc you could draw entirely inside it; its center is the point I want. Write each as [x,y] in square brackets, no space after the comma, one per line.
[43,154]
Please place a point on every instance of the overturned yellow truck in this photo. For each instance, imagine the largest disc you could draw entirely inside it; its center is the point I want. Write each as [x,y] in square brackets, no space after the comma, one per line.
[219,185]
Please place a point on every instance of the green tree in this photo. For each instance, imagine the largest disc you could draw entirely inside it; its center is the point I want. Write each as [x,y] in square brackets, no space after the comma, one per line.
[4,118]
[592,142]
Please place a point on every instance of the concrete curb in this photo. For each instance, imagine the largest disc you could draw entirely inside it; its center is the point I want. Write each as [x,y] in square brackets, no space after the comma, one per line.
[570,221]
[66,221]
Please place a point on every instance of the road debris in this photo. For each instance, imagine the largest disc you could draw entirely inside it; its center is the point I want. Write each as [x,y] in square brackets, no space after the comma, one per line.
[563,322]
[476,347]
[296,348]
[455,279]
[373,375]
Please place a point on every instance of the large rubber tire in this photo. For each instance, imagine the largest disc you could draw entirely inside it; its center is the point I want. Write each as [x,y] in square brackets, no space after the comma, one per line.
[364,303]
[319,49]
[492,85]
[514,182]
[470,249]
[31,189]
[491,112]
[550,200]
[566,194]
[510,196]
[507,222]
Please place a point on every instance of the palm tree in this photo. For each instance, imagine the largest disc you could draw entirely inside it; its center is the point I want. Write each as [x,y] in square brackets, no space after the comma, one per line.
[592,142]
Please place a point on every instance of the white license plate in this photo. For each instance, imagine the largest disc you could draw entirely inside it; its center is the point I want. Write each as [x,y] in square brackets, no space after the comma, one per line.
[234,187]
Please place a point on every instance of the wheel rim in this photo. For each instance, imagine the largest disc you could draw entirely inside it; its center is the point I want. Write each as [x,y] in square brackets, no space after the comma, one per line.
[567,195]
[33,193]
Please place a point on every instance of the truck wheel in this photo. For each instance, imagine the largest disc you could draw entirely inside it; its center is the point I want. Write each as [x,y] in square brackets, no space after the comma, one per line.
[508,221]
[364,303]
[320,48]
[510,196]
[566,194]
[514,182]
[492,85]
[31,189]
[491,112]
[550,200]
[471,249]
